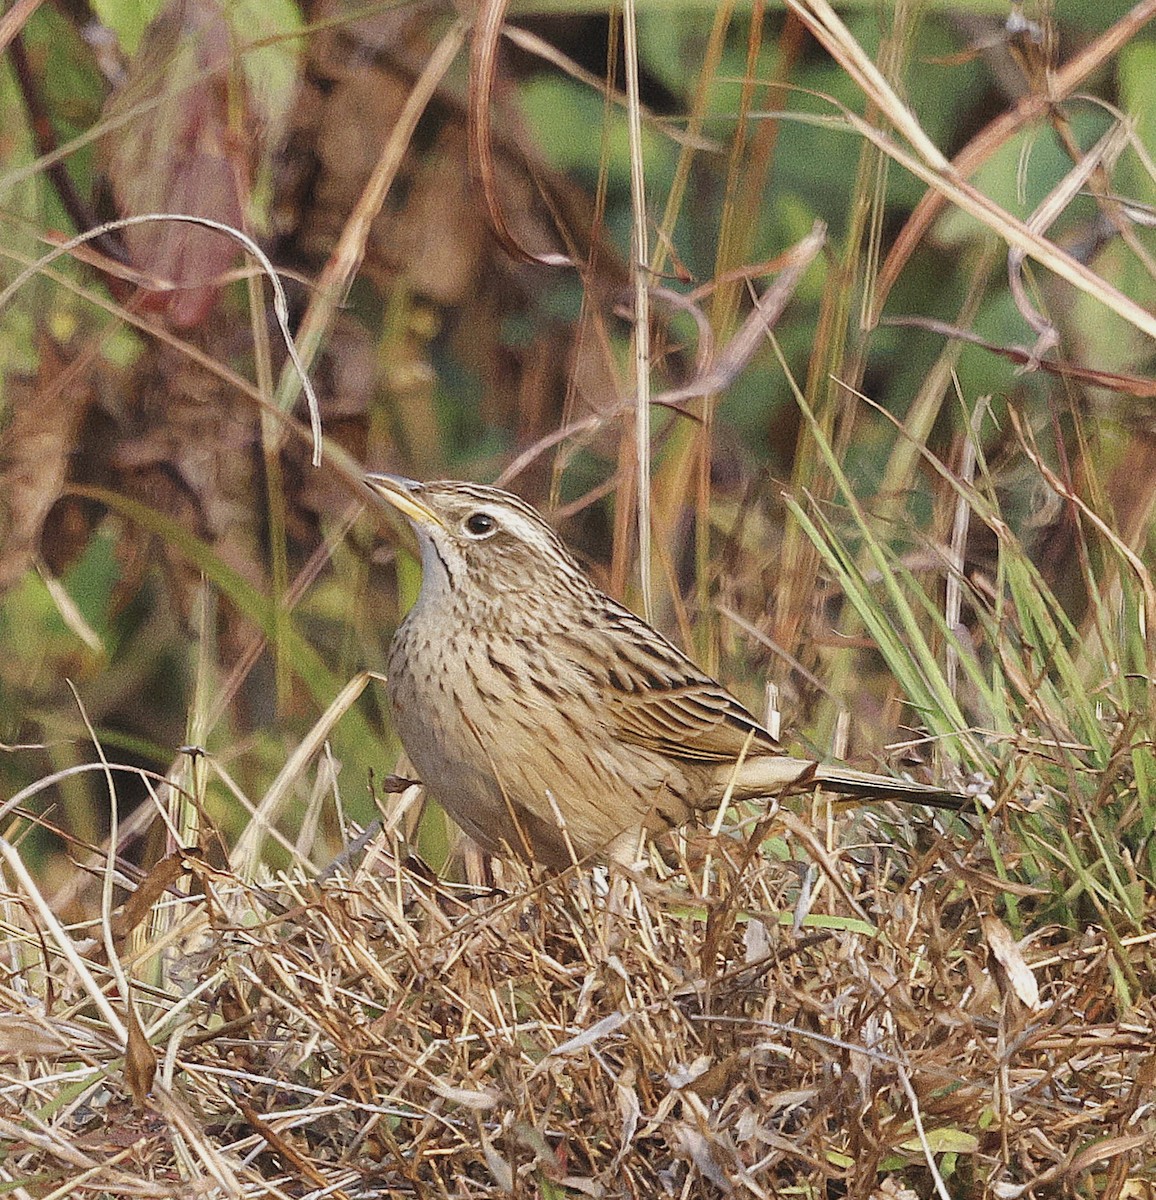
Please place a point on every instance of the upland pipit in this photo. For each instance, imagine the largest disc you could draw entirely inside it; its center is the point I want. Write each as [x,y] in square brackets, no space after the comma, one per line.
[547,718]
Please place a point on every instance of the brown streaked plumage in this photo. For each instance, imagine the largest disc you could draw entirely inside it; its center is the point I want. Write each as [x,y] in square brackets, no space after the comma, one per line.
[520,691]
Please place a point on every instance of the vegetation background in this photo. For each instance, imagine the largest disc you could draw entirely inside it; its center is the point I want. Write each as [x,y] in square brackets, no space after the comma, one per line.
[825,336]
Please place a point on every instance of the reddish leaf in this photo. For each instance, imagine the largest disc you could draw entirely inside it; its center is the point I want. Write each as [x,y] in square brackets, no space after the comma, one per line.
[183,152]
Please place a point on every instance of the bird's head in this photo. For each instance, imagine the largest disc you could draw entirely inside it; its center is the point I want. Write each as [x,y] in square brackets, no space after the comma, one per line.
[480,539]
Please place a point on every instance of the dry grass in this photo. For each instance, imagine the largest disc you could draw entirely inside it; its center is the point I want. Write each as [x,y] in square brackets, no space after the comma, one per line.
[808,1017]
[874,1005]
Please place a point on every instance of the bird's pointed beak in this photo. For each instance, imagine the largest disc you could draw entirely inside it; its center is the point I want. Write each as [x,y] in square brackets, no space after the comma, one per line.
[402,494]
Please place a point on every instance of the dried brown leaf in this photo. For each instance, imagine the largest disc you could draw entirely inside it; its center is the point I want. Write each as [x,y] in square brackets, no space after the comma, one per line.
[140,1060]
[1010,957]
[182,152]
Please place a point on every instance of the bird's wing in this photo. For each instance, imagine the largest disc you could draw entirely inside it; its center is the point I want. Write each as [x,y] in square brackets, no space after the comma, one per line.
[690,723]
[654,696]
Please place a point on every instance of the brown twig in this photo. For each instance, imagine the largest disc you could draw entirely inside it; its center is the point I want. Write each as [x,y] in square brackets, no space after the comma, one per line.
[79,213]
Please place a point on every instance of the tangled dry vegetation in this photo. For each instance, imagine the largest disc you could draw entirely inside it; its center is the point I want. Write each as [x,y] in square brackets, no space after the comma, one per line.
[874,1005]
[781,1011]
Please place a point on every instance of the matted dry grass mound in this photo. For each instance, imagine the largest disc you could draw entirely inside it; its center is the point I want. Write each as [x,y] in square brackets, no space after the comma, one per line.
[811,1021]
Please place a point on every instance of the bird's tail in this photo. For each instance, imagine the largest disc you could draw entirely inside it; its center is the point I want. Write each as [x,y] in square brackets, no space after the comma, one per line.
[847,782]
[768,774]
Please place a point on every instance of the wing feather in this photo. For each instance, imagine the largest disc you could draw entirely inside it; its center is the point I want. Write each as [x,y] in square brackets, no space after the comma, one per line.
[654,696]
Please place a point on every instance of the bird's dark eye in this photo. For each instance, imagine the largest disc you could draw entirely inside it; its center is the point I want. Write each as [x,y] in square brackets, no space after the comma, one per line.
[480,523]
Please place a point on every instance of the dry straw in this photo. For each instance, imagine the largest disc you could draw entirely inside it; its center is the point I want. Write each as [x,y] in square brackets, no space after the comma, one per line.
[385,1033]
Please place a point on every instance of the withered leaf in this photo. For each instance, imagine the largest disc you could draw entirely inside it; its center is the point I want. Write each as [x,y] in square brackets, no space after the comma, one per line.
[178,146]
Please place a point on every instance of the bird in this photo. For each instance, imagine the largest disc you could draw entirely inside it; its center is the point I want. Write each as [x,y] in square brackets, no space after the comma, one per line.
[551,722]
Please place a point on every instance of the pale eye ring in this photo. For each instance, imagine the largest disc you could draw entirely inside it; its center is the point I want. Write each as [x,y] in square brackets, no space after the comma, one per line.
[480,524]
